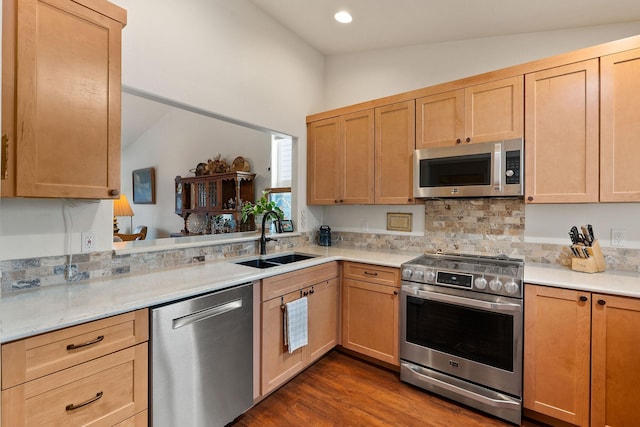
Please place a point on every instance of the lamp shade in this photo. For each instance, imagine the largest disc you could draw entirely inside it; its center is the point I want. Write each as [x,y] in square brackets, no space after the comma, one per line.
[121,207]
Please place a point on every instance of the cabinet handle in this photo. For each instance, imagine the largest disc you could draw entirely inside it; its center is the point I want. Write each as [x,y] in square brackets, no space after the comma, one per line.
[114,192]
[73,407]
[370,274]
[583,298]
[601,302]
[5,153]
[77,346]
[468,139]
[312,290]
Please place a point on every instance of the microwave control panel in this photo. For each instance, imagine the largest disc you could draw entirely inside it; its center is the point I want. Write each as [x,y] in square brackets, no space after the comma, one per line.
[513,167]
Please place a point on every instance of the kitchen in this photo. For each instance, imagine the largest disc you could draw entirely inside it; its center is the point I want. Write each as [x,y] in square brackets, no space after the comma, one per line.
[151,46]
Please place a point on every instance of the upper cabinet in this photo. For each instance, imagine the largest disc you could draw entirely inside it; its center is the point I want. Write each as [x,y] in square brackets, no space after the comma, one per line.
[395,141]
[340,154]
[561,137]
[61,81]
[581,133]
[620,127]
[362,158]
[484,112]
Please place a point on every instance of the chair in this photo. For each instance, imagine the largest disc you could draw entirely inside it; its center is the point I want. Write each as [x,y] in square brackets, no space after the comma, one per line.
[141,229]
[140,233]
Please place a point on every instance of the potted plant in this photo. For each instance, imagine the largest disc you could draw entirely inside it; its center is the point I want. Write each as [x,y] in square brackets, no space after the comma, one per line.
[260,207]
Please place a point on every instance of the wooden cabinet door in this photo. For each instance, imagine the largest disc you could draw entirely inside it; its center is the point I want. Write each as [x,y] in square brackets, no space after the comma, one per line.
[323,319]
[561,141]
[395,142]
[67,100]
[615,365]
[494,110]
[556,353]
[323,161]
[278,365]
[440,119]
[370,316]
[357,159]
[620,124]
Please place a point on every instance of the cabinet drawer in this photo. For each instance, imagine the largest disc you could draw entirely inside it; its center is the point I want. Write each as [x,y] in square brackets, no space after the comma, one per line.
[104,391]
[276,286]
[388,276]
[37,356]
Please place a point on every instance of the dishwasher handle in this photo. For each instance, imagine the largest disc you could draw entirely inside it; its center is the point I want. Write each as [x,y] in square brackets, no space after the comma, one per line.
[207,313]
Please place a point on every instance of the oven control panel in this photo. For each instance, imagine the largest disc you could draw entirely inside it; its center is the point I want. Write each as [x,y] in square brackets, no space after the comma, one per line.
[478,282]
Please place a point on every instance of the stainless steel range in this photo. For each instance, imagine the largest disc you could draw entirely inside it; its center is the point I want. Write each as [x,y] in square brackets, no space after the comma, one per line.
[461,330]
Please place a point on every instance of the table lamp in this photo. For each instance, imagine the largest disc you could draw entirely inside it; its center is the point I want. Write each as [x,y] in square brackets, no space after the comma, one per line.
[121,207]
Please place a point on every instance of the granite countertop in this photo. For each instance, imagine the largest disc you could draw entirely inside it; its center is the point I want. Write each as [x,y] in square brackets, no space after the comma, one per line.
[49,308]
[34,312]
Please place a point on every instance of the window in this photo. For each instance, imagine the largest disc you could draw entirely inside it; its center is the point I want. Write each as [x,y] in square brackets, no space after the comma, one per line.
[281,167]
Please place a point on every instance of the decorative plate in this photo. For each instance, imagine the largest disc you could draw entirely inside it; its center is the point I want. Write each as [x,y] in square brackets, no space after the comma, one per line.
[197,223]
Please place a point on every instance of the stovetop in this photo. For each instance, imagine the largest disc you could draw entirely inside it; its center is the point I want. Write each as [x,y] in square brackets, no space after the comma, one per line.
[496,265]
[498,275]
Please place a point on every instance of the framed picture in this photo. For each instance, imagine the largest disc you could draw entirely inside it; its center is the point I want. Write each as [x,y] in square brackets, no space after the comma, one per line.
[286,225]
[144,186]
[399,221]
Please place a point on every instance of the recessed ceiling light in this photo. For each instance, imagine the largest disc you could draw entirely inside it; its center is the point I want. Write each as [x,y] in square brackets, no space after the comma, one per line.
[343,17]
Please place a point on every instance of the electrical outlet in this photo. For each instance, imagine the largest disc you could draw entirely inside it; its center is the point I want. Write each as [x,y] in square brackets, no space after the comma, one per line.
[88,241]
[618,237]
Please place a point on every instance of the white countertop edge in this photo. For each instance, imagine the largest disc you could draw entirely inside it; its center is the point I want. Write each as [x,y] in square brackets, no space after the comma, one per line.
[169,243]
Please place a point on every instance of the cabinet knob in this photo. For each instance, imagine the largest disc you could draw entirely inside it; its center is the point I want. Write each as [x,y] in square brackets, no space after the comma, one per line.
[601,302]
[530,198]
[410,200]
[458,141]
[583,298]
[395,292]
[114,192]
[468,139]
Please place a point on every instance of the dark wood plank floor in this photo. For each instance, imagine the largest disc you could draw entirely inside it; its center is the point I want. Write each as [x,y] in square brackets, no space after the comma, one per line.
[340,390]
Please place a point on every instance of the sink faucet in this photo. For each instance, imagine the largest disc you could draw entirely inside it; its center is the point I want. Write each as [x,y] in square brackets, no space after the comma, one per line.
[263,239]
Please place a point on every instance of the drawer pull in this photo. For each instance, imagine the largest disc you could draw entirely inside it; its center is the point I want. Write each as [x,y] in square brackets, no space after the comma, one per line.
[370,274]
[76,346]
[73,407]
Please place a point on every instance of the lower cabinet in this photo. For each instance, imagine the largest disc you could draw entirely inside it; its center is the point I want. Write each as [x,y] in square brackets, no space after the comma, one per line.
[320,285]
[370,311]
[582,364]
[94,373]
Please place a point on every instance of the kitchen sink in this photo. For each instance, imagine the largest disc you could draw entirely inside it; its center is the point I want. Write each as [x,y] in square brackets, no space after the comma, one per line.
[286,259]
[275,260]
[257,263]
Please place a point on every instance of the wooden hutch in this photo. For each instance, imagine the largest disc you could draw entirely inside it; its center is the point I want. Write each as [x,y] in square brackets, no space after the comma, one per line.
[200,198]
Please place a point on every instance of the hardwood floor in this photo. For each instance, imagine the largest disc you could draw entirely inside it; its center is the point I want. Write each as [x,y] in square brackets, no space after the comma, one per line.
[340,390]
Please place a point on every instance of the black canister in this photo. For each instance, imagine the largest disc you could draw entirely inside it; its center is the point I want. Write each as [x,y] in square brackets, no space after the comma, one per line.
[324,236]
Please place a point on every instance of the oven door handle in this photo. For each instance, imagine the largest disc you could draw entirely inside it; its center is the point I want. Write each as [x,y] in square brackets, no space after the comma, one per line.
[496,306]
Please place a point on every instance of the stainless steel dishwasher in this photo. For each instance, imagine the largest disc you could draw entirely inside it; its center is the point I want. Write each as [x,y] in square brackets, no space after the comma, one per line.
[202,359]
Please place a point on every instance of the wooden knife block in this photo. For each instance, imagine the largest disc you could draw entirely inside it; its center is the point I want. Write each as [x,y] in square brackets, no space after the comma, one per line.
[594,264]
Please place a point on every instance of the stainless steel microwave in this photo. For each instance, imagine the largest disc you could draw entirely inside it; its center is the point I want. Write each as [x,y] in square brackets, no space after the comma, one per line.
[470,170]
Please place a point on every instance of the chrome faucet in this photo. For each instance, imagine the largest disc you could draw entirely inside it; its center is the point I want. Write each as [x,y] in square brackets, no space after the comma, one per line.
[263,239]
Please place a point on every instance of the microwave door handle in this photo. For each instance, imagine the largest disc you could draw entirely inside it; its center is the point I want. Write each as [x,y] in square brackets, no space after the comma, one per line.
[497,167]
[467,302]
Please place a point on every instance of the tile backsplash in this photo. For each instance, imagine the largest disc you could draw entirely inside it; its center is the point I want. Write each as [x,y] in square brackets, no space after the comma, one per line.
[487,226]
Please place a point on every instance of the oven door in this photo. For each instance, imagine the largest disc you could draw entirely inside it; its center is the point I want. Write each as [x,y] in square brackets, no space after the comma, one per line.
[477,339]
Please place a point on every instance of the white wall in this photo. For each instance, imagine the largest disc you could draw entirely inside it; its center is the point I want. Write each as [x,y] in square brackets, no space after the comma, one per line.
[223,56]
[174,145]
[361,77]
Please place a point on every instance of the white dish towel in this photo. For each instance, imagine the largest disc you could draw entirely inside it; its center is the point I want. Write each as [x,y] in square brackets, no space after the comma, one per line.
[296,332]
